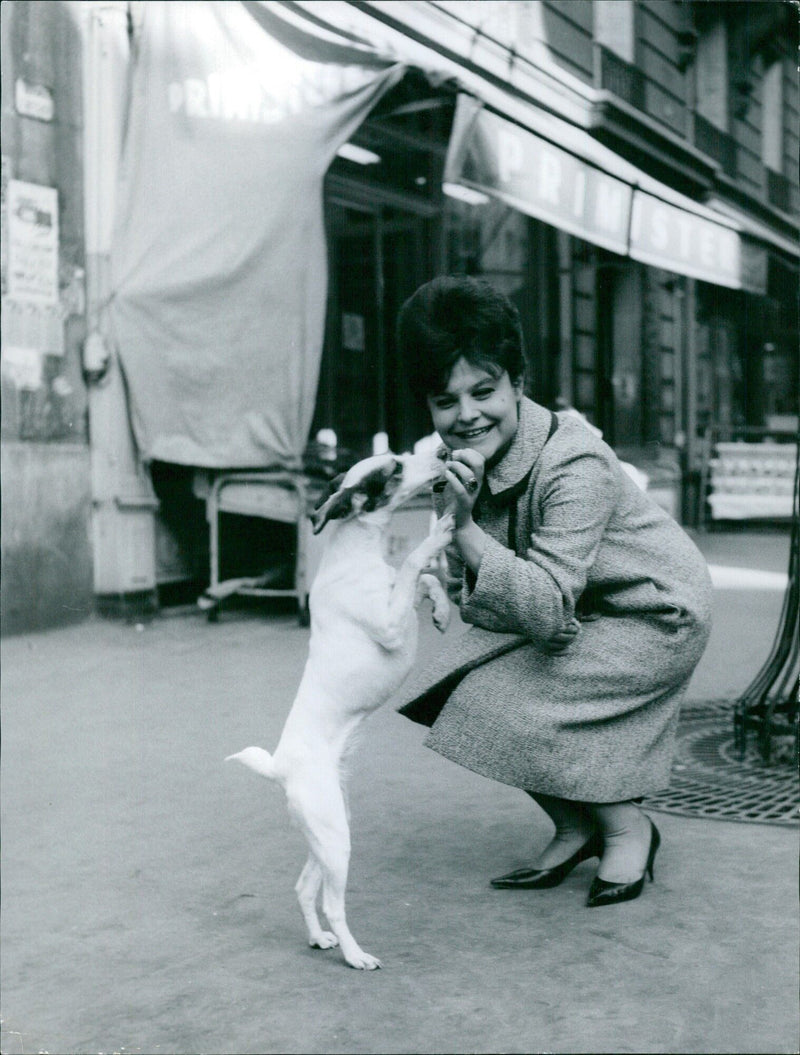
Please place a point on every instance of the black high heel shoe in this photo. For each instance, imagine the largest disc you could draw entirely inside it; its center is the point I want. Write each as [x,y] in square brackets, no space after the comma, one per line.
[602,892]
[544,878]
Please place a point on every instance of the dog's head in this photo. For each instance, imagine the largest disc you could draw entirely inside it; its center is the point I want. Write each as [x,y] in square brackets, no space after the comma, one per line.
[384,481]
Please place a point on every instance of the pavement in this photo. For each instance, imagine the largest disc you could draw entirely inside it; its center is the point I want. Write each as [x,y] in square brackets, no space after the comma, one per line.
[147,887]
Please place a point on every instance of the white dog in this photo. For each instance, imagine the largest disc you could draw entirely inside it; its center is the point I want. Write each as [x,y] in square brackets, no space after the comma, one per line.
[363,644]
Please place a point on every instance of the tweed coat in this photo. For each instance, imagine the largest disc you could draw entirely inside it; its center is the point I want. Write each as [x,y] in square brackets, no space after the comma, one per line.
[597,722]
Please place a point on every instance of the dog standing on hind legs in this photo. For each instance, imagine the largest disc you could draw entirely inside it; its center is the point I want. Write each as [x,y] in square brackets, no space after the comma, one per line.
[362,646]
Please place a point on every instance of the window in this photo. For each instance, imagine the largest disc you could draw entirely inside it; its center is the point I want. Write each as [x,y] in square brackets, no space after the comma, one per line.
[614,27]
[615,49]
[772,120]
[712,75]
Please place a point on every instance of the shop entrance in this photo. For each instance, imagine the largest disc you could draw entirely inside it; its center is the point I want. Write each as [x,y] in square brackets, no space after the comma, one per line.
[378,255]
[620,288]
[383,211]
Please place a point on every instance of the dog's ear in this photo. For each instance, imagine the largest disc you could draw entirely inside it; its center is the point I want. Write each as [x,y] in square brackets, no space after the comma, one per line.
[366,491]
[374,486]
[334,486]
[337,504]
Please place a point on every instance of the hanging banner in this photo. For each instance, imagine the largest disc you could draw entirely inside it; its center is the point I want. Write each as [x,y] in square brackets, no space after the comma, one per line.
[218,255]
[489,153]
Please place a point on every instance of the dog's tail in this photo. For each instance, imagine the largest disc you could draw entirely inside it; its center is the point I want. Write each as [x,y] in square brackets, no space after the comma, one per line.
[255,758]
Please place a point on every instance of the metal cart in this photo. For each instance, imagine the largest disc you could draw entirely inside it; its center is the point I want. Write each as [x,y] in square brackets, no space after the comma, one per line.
[273,495]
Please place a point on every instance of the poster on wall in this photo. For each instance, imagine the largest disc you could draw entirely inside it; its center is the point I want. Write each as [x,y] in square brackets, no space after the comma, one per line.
[32,242]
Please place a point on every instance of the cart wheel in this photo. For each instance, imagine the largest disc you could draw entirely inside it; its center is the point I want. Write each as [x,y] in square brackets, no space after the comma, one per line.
[304,615]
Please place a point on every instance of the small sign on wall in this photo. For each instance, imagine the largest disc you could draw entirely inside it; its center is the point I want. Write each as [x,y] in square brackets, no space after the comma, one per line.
[32,242]
[22,366]
[29,325]
[353,332]
[33,100]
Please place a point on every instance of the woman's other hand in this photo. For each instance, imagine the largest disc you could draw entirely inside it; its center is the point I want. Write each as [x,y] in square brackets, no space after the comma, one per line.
[563,638]
[464,471]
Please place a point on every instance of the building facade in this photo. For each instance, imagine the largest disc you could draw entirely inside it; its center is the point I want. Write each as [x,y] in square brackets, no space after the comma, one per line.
[46,505]
[702,97]
[625,170]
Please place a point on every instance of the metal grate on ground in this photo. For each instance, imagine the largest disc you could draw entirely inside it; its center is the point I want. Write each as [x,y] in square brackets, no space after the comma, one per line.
[710,780]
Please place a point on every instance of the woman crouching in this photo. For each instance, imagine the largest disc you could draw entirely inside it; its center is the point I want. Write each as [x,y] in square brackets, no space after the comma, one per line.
[589,606]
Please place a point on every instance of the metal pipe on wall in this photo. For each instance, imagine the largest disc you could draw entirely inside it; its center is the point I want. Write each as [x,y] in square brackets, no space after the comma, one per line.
[123,502]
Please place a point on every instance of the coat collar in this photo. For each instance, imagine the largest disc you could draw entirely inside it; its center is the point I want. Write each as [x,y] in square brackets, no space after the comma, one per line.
[529,439]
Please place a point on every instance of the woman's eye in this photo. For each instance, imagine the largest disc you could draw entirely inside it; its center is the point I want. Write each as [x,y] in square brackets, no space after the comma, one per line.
[443,403]
[483,393]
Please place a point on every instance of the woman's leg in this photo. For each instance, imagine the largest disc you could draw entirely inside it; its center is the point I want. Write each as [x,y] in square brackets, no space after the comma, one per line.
[574,825]
[626,838]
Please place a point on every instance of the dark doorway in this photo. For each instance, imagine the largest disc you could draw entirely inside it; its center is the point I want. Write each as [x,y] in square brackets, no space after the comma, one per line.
[620,346]
[384,207]
[378,254]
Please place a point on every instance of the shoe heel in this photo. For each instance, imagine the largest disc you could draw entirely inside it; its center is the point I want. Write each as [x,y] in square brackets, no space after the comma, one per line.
[655,842]
[604,893]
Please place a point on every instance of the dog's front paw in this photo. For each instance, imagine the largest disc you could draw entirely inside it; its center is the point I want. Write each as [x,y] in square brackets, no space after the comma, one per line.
[443,530]
[441,615]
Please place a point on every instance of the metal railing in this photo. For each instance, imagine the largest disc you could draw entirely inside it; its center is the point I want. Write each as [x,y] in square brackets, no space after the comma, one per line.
[779,190]
[717,144]
[770,705]
[616,75]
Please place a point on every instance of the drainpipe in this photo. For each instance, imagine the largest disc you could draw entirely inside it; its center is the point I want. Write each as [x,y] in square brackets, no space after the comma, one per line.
[123,501]
[565,293]
[693,453]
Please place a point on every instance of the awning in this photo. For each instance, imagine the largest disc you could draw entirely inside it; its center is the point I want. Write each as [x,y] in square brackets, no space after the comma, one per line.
[492,154]
[681,240]
[504,145]
[758,231]
[218,255]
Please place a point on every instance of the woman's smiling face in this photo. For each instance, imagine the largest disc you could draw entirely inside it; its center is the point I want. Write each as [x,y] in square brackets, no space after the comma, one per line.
[478,409]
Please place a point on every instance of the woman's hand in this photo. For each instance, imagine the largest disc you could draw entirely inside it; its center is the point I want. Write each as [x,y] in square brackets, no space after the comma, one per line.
[563,638]
[464,472]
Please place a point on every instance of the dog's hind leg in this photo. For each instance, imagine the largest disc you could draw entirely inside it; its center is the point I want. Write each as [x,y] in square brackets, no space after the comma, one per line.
[335,864]
[320,810]
[307,888]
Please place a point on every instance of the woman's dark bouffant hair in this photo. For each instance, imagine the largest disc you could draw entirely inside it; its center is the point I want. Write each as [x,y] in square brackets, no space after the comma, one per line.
[454,316]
